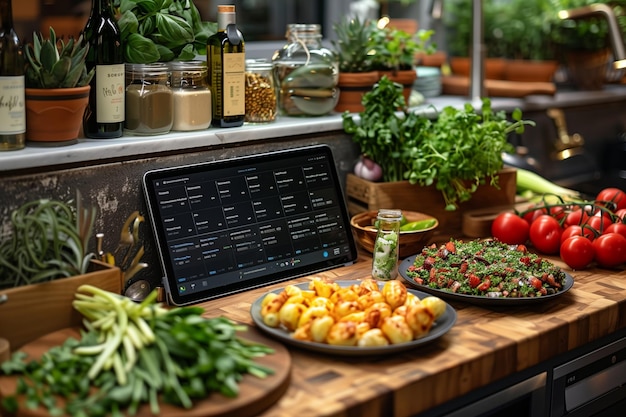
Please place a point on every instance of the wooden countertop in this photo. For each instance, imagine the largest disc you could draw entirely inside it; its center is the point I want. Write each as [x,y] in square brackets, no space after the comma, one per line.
[484,345]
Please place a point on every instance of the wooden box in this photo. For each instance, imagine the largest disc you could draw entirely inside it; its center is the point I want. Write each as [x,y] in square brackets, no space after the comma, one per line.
[363,195]
[32,311]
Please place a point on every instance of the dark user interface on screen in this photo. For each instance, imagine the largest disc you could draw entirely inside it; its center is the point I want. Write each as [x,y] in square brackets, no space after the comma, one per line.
[238,223]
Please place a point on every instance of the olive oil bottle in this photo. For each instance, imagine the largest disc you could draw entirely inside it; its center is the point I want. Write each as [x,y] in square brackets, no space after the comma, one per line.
[12,93]
[226,61]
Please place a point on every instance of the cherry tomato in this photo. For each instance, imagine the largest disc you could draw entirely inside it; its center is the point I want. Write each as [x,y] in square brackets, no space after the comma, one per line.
[610,250]
[614,196]
[510,228]
[576,230]
[545,234]
[531,215]
[577,216]
[621,213]
[598,223]
[577,252]
[616,228]
[558,212]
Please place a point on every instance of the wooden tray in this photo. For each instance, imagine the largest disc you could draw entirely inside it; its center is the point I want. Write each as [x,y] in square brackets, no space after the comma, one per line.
[255,394]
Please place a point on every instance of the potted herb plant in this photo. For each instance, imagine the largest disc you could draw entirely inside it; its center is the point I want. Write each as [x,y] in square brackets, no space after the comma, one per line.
[583,43]
[440,166]
[394,53]
[44,258]
[57,89]
[153,31]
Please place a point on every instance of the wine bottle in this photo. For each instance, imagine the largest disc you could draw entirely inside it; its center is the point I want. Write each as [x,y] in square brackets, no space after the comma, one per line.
[104,116]
[12,94]
[227,63]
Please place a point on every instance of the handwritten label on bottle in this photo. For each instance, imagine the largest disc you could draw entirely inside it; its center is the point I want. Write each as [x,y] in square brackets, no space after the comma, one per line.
[110,91]
[12,105]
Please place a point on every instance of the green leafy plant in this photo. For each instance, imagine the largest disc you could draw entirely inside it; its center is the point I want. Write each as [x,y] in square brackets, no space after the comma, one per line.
[457,151]
[48,240]
[53,63]
[162,30]
[394,49]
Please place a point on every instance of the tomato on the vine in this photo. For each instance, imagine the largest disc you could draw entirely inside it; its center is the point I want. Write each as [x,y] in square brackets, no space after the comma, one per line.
[532,214]
[577,252]
[510,228]
[576,230]
[616,228]
[621,213]
[545,234]
[615,198]
[598,223]
[610,249]
[577,216]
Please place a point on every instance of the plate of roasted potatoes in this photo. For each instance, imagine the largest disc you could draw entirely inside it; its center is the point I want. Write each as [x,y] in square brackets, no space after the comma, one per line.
[352,317]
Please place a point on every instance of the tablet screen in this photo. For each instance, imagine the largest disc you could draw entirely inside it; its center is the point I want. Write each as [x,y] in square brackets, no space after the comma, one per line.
[230,225]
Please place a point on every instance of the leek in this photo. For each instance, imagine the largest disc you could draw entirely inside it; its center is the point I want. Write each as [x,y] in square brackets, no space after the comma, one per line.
[530,184]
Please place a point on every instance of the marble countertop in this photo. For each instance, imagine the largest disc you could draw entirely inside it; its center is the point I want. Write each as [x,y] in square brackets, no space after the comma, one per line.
[87,151]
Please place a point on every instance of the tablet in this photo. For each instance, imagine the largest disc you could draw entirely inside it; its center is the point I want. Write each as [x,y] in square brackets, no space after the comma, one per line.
[230,225]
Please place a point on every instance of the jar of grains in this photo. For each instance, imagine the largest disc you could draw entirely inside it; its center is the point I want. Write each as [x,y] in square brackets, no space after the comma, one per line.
[192,95]
[260,92]
[149,99]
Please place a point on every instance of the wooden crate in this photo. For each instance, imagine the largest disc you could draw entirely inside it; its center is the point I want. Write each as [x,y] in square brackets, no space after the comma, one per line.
[34,310]
[363,195]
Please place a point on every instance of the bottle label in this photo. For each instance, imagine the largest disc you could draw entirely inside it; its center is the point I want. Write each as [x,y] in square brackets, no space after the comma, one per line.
[12,105]
[110,93]
[234,84]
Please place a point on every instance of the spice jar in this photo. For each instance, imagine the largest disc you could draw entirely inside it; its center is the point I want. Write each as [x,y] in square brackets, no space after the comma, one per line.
[260,92]
[191,94]
[306,73]
[385,255]
[149,100]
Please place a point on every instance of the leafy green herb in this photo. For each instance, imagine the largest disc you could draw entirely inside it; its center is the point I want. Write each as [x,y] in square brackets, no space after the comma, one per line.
[48,240]
[458,151]
[135,354]
[162,30]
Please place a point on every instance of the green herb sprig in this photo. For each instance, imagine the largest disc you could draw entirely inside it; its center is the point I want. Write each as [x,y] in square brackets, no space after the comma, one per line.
[134,354]
[162,30]
[48,240]
[458,151]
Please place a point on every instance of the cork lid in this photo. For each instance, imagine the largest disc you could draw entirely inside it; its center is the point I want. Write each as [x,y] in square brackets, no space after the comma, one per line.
[222,8]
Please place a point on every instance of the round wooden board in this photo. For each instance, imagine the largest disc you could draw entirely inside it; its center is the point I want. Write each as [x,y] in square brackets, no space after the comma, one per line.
[255,394]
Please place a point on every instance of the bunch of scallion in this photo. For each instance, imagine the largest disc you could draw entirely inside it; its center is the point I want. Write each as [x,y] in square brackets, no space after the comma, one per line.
[131,354]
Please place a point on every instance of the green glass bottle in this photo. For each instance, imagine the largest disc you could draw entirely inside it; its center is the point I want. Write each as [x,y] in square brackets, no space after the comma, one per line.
[12,93]
[104,117]
[227,63]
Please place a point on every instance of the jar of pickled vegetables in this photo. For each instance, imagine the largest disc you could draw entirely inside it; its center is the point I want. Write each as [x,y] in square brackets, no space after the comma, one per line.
[385,255]
[306,73]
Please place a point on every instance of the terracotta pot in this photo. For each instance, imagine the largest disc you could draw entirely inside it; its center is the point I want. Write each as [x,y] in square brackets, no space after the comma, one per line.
[404,77]
[55,115]
[587,69]
[530,70]
[494,67]
[352,86]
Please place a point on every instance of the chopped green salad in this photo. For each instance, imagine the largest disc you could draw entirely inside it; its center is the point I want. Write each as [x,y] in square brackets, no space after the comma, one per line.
[486,268]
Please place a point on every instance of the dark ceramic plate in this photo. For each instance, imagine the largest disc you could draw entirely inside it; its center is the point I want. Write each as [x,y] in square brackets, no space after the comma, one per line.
[478,299]
[440,327]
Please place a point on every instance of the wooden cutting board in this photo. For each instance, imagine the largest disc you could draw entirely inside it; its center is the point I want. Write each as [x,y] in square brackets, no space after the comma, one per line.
[255,395]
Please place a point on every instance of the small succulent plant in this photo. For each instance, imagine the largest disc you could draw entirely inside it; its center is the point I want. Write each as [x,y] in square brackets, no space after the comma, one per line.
[352,44]
[53,63]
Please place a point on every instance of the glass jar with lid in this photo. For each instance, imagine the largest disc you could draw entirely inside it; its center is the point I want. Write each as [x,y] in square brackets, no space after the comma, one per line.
[192,95]
[306,73]
[149,99]
[385,255]
[260,92]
